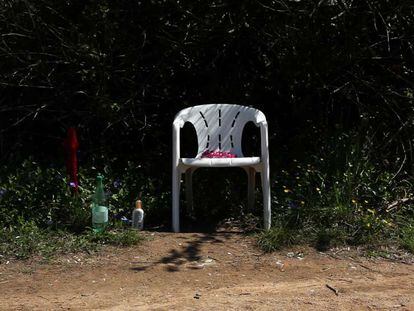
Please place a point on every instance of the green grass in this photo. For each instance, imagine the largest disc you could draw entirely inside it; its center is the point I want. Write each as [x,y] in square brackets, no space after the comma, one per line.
[28,240]
[407,238]
[327,238]
[324,239]
[275,239]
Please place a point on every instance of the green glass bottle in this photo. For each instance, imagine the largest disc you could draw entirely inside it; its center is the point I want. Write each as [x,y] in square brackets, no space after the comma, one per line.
[99,207]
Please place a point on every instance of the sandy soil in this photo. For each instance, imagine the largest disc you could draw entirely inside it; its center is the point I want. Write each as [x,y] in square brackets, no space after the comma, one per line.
[195,271]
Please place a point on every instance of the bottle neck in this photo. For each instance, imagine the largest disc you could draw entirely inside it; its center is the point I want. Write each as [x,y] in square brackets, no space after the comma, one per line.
[99,192]
[99,183]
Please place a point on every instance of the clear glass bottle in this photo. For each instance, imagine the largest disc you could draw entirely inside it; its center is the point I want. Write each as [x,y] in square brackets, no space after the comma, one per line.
[99,207]
[138,216]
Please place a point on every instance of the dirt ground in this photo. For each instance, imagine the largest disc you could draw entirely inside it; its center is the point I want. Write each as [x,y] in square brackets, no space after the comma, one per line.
[196,271]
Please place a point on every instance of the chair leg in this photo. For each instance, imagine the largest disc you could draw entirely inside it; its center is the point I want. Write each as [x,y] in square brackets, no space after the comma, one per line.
[176,180]
[251,173]
[266,198]
[189,190]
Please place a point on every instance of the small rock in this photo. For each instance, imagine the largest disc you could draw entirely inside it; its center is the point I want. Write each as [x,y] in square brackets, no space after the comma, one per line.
[199,266]
[280,265]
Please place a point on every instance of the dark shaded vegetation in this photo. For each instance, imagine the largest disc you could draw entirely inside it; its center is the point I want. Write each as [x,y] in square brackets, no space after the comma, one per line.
[334,79]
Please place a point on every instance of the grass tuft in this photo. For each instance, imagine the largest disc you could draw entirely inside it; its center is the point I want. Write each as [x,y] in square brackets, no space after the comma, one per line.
[407,238]
[275,239]
[29,240]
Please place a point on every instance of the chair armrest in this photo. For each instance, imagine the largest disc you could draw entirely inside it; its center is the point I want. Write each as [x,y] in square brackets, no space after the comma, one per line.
[259,118]
[260,121]
[264,141]
[177,125]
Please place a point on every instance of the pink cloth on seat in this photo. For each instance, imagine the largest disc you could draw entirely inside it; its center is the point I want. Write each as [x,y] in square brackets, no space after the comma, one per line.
[217,154]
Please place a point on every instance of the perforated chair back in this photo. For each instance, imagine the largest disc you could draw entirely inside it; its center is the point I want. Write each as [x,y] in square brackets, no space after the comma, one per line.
[219,127]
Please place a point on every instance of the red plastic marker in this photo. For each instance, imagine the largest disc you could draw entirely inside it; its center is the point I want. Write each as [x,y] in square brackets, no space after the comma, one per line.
[71,145]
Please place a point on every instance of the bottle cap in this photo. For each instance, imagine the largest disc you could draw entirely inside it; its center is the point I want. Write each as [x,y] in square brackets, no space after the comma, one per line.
[138,204]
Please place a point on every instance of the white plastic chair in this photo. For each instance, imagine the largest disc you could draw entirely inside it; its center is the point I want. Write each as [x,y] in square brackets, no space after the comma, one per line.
[219,127]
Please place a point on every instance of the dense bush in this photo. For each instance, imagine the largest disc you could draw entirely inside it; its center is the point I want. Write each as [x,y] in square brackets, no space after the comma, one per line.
[333,78]
[41,194]
[120,70]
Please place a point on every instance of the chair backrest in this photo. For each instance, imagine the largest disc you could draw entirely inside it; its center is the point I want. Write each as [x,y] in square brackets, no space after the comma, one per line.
[219,127]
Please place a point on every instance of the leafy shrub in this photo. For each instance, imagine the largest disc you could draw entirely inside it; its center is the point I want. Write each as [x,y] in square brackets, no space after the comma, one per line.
[32,192]
[41,194]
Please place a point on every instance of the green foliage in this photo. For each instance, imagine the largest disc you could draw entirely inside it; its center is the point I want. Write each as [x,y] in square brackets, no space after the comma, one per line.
[276,238]
[329,237]
[26,240]
[407,237]
[22,241]
[34,192]
[40,194]
[331,202]
[126,237]
[40,216]
[31,192]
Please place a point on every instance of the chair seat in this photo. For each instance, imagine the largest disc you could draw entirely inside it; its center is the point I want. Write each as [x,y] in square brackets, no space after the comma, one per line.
[220,162]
